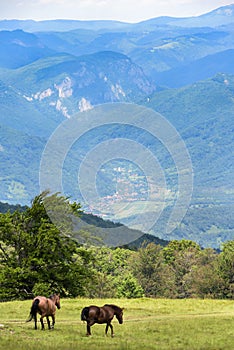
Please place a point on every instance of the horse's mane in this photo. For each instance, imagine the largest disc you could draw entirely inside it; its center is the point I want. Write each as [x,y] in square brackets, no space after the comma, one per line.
[51,296]
[115,307]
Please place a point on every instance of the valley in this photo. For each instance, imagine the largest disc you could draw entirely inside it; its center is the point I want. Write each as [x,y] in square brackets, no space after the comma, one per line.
[181,68]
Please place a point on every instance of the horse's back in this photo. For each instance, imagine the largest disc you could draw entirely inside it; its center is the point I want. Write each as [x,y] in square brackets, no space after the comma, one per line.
[91,312]
[108,308]
[45,305]
[40,298]
[107,311]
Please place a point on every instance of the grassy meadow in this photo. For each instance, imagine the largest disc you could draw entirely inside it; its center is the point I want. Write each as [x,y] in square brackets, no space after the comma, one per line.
[148,324]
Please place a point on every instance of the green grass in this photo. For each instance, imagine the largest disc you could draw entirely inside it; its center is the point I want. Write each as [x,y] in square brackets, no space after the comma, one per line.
[148,324]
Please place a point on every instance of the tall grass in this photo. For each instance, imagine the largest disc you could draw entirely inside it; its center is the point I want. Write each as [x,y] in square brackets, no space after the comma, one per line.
[148,324]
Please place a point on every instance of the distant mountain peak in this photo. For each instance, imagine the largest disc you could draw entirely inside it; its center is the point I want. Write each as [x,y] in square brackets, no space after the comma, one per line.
[225,10]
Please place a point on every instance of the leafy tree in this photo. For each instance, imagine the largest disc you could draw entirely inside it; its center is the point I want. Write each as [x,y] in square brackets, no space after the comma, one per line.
[155,277]
[37,255]
[111,261]
[183,257]
[102,286]
[109,266]
[204,280]
[226,268]
[175,246]
[40,254]
[129,287]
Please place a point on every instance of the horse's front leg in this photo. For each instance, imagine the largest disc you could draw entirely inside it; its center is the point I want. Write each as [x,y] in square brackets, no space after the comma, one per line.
[112,331]
[48,321]
[53,321]
[107,326]
[111,327]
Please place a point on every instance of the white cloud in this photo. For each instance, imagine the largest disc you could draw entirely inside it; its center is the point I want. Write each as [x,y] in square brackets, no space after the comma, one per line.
[48,2]
[125,10]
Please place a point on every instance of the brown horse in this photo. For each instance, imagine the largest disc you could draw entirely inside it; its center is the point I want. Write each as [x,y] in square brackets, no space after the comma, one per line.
[45,307]
[95,314]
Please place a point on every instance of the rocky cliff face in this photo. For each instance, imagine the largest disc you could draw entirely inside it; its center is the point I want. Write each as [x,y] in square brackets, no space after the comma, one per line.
[72,84]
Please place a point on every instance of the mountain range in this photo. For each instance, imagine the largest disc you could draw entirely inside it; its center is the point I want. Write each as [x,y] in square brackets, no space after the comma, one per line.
[179,67]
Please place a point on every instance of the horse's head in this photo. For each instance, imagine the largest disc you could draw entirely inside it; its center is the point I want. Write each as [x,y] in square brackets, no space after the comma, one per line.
[56,299]
[57,302]
[119,315]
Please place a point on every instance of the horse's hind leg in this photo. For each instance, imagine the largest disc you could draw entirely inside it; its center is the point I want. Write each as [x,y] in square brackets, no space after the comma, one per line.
[89,324]
[88,329]
[42,323]
[35,321]
[48,321]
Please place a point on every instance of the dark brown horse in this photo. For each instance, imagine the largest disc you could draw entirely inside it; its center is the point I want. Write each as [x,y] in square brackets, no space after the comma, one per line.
[45,307]
[95,314]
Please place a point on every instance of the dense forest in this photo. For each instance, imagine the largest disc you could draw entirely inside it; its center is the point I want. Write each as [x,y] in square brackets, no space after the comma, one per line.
[39,257]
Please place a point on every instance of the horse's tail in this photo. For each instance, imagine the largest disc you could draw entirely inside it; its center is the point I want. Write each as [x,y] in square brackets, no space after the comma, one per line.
[85,313]
[33,311]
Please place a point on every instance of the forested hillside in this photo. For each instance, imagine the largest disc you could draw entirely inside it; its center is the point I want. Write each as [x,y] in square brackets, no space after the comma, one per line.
[37,257]
[55,71]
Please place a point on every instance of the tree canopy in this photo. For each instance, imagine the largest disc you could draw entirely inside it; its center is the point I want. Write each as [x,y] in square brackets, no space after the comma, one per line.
[40,254]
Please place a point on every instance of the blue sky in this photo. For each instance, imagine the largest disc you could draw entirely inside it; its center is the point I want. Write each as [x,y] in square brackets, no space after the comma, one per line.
[123,10]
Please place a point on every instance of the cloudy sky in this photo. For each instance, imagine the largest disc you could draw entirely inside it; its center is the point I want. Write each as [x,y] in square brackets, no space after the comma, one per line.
[123,10]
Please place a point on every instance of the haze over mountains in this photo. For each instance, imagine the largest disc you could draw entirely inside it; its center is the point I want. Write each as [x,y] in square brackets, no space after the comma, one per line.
[180,67]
